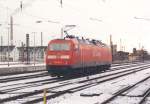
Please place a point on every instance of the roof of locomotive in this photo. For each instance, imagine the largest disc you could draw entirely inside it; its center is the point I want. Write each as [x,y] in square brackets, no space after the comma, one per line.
[82,41]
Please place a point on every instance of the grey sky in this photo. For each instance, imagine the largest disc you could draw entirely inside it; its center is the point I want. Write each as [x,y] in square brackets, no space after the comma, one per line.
[94,19]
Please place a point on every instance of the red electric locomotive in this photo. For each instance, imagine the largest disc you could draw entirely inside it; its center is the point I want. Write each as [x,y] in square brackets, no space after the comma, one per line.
[73,55]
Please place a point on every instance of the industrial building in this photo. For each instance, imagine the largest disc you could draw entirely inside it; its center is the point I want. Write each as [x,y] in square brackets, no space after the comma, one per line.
[13,53]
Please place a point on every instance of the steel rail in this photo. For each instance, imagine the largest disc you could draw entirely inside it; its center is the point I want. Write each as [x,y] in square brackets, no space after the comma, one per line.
[146,94]
[55,80]
[79,88]
[123,90]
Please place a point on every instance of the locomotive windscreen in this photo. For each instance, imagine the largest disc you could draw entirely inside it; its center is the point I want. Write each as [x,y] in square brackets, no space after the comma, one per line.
[59,47]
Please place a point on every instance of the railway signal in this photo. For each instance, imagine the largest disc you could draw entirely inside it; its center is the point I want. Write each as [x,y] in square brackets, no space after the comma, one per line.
[27,48]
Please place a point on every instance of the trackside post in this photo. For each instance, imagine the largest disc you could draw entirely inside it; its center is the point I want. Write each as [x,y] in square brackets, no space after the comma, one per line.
[44,97]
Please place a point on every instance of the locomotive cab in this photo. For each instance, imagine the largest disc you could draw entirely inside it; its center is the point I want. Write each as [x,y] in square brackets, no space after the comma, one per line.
[59,56]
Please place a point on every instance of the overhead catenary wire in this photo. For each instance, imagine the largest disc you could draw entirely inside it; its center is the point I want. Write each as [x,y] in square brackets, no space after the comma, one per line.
[147,19]
[29,15]
[62,2]
[78,11]
[33,16]
[22,6]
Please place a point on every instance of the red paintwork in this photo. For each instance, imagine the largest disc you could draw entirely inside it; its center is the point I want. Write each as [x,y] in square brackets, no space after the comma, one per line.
[84,55]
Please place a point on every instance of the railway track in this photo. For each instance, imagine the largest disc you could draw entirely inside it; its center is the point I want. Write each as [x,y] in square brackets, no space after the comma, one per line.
[126,63]
[80,86]
[4,80]
[128,88]
[44,73]
[45,81]
[146,94]
[27,84]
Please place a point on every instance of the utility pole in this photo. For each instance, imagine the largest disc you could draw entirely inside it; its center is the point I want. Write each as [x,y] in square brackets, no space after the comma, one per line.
[41,38]
[34,48]
[11,30]
[1,47]
[27,48]
[8,47]
[111,46]
[61,3]
[22,52]
[120,45]
[62,32]
[42,52]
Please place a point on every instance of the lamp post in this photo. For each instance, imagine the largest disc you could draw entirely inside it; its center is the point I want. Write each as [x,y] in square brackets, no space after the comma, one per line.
[27,49]
[34,49]
[34,58]
[8,47]
[1,48]
[1,45]
[14,57]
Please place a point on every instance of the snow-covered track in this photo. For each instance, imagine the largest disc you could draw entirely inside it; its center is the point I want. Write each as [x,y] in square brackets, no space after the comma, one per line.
[126,89]
[75,86]
[146,94]
[16,86]
[80,87]
[23,77]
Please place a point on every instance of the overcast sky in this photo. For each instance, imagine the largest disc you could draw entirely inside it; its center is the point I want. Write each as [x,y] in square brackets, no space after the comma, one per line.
[128,20]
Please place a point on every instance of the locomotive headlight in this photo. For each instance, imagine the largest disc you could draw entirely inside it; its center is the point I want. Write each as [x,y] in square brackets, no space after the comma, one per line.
[51,56]
[64,57]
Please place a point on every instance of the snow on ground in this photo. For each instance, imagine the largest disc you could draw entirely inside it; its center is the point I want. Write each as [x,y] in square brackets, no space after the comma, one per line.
[139,90]
[126,100]
[102,91]
[23,67]
[148,100]
[29,87]
[105,90]
[5,65]
[20,83]
[20,101]
[77,99]
[21,75]
[13,68]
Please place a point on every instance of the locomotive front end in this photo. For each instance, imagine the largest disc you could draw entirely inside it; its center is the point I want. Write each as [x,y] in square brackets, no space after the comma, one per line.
[59,57]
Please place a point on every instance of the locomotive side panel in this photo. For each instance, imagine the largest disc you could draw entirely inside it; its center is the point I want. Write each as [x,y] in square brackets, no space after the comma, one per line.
[71,56]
